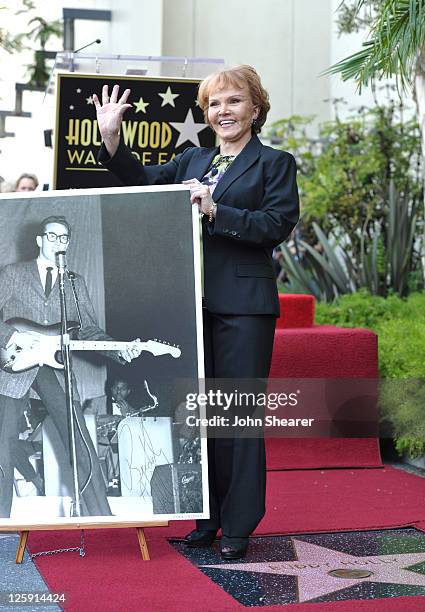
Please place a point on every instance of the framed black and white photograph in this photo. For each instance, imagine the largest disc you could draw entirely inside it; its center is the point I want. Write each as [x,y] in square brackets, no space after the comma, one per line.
[100,342]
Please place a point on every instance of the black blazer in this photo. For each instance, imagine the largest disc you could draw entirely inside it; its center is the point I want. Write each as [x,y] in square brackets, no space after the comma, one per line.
[257,209]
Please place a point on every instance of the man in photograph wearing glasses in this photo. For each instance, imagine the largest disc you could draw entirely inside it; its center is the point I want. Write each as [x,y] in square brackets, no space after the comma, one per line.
[30,291]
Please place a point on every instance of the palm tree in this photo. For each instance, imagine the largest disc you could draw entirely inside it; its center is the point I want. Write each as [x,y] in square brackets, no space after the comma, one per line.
[395,46]
[43,30]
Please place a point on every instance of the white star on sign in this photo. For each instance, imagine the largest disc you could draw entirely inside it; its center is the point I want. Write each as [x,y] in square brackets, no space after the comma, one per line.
[78,90]
[168,97]
[188,130]
[140,105]
[90,100]
[314,563]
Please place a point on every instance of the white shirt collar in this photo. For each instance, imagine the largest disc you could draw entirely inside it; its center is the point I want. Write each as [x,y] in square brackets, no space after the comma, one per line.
[44,263]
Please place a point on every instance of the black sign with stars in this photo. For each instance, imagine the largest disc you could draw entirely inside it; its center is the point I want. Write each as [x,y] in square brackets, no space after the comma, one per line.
[164,120]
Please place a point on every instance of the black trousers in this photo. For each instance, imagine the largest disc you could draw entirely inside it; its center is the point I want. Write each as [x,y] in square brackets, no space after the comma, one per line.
[236,347]
[94,501]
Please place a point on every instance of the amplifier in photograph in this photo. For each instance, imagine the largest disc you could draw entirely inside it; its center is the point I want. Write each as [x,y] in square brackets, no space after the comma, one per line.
[176,488]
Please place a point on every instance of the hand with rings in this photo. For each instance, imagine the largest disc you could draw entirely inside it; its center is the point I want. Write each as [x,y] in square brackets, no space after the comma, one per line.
[110,114]
[200,194]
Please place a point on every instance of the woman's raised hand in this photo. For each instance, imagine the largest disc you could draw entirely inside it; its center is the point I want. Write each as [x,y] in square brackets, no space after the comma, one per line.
[110,114]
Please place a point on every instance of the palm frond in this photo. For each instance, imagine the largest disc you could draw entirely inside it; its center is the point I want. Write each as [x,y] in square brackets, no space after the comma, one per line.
[395,40]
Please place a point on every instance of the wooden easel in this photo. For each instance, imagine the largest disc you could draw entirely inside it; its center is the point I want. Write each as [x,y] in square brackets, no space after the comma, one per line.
[143,545]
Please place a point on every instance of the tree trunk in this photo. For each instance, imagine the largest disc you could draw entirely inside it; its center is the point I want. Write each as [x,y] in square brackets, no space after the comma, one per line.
[419,95]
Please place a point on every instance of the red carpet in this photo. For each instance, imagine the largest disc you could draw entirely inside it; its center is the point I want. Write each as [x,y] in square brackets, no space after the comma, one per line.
[295,311]
[293,454]
[112,576]
[324,351]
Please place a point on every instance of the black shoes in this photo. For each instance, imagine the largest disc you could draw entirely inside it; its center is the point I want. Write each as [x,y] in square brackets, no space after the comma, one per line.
[199,539]
[233,548]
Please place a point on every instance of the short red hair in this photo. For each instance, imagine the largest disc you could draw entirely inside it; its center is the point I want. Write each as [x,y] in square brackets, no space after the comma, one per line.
[239,77]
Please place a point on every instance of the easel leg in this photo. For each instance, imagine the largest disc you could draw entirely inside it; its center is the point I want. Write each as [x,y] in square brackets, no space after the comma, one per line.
[143,544]
[21,546]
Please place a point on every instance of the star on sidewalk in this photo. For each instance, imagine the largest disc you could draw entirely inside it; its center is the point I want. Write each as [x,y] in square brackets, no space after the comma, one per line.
[168,97]
[314,563]
[189,130]
[140,105]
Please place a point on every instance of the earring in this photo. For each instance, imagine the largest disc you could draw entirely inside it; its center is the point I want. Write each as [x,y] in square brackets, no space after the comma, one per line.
[254,125]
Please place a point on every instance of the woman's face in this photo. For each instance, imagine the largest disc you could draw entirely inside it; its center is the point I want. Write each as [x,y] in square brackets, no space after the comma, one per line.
[231,112]
[26,184]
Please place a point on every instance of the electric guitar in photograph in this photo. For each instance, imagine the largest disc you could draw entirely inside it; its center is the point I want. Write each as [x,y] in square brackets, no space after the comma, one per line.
[47,347]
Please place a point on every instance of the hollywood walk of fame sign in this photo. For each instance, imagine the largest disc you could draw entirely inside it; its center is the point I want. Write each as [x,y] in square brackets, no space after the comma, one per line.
[283,570]
[164,120]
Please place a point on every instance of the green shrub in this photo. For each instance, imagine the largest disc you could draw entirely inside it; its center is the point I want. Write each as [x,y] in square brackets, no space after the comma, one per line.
[344,174]
[401,344]
[358,310]
[364,310]
[412,446]
[361,183]
[401,404]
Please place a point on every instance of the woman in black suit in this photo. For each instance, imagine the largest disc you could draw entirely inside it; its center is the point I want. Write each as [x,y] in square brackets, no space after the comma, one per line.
[248,196]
